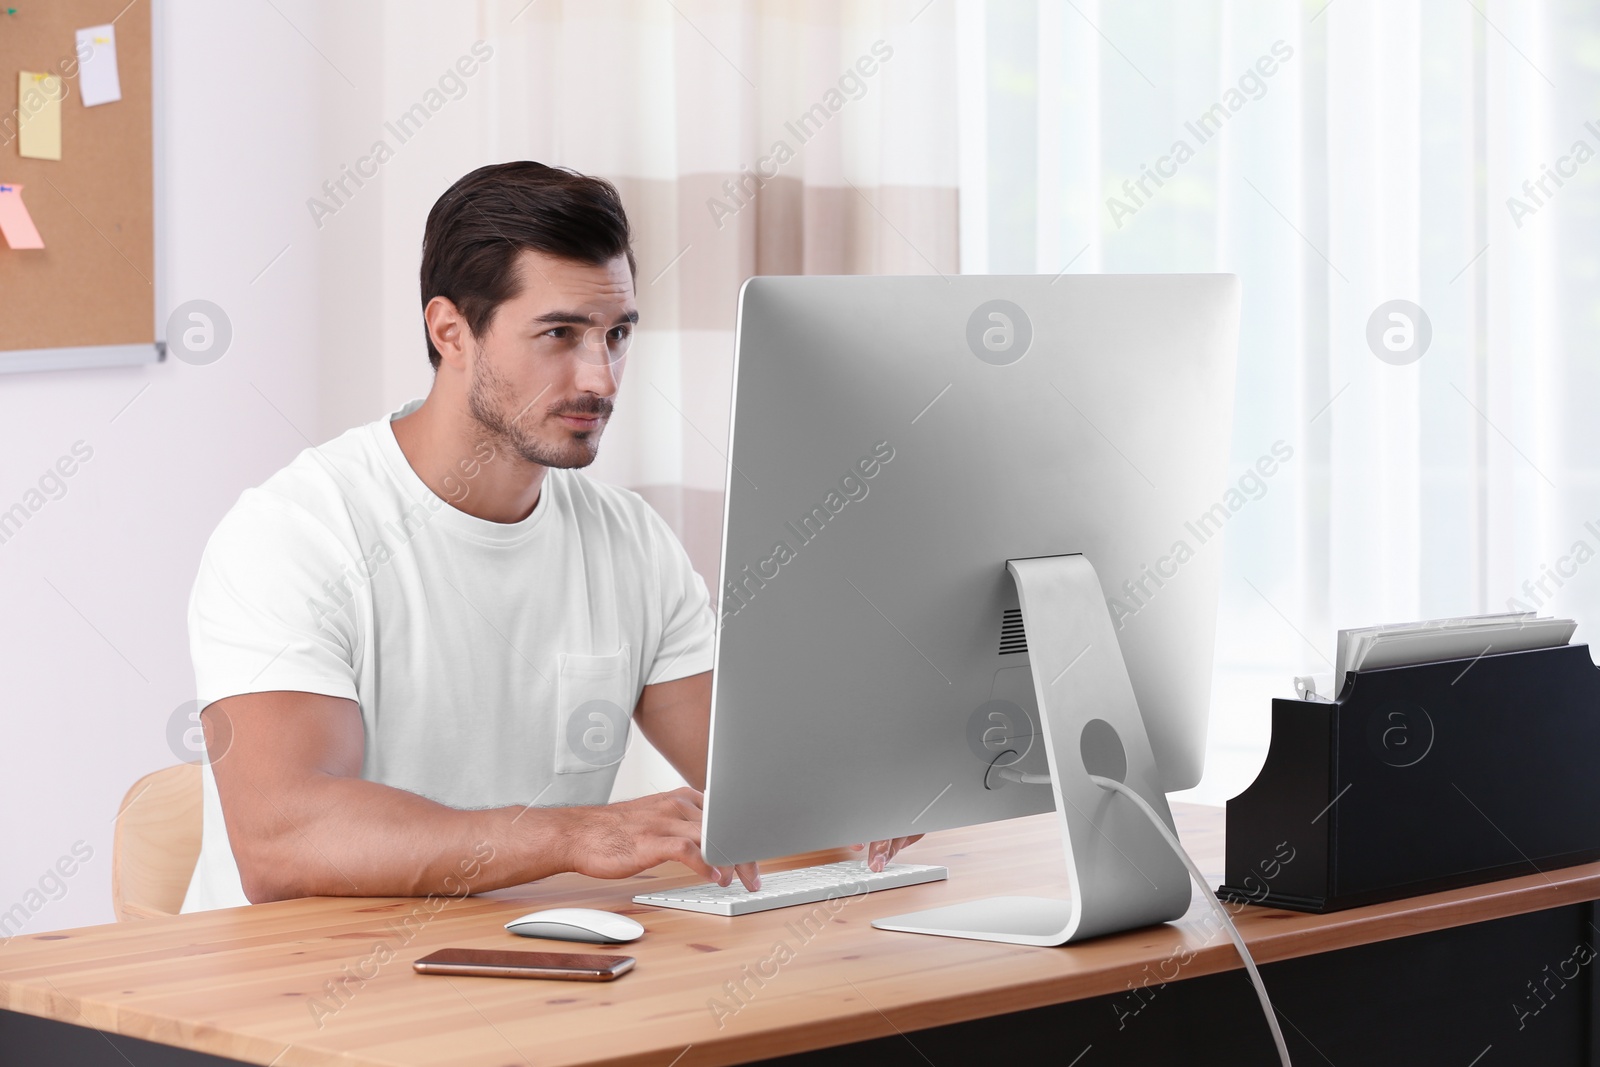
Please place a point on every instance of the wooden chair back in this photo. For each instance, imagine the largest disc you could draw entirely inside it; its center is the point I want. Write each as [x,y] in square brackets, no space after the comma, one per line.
[156,843]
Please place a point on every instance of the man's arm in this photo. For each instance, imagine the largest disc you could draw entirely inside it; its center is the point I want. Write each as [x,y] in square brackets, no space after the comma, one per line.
[676,718]
[302,821]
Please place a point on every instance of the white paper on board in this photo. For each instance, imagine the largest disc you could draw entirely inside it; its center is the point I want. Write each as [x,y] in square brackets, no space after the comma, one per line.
[98,81]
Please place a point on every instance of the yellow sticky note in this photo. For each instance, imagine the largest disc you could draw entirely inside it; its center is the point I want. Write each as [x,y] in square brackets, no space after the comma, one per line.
[39,115]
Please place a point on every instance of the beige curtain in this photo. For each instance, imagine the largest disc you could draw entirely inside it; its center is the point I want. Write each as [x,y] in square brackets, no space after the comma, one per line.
[747,138]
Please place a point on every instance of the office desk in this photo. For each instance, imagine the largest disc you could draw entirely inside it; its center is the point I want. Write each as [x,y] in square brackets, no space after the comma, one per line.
[1492,974]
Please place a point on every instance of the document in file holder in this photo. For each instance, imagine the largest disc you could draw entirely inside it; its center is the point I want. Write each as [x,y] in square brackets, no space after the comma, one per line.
[1464,637]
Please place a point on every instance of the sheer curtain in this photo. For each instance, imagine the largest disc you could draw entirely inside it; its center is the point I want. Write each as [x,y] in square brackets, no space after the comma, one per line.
[1339,156]
[1336,156]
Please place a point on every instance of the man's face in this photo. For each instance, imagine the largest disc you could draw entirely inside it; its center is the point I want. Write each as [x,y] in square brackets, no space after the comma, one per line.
[546,370]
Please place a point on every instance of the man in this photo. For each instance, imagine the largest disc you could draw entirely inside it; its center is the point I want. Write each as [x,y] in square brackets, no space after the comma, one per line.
[417,646]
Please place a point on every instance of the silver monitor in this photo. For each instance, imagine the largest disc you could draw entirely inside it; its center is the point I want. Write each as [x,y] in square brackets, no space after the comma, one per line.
[894,442]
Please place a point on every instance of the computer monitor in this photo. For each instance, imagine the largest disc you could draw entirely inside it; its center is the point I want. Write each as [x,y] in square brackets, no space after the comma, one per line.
[895,441]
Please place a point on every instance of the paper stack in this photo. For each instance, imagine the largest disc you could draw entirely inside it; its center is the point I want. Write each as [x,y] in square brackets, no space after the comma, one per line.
[1464,637]
[1406,643]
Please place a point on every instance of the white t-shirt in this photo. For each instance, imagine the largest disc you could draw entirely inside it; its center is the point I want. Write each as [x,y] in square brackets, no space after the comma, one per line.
[494,663]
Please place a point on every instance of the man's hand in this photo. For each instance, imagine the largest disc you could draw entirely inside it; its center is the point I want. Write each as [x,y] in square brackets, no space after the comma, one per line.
[879,853]
[675,717]
[620,840]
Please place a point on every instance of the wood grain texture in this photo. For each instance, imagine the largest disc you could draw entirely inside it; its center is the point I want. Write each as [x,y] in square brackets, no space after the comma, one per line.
[246,982]
[156,843]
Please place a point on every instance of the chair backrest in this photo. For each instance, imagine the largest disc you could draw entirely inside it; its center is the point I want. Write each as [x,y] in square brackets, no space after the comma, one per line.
[156,843]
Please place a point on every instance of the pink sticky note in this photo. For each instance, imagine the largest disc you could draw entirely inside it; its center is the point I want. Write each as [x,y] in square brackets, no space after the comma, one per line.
[15,222]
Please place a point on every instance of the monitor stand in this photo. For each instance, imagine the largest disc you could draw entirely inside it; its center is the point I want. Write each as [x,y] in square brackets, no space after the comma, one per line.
[1121,874]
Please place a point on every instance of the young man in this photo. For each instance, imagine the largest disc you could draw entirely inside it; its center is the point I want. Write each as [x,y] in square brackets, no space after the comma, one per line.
[420,646]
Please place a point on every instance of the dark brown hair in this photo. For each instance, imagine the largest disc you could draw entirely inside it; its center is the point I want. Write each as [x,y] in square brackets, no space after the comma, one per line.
[477,228]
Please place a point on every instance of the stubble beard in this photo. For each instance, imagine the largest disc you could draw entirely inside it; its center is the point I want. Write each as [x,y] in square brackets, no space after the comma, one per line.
[491,404]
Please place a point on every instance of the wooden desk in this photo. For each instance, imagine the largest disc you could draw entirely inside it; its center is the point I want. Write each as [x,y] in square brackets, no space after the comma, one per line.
[1434,979]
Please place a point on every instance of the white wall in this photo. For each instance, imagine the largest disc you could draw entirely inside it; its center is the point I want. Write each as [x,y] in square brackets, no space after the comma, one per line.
[96,584]
[262,104]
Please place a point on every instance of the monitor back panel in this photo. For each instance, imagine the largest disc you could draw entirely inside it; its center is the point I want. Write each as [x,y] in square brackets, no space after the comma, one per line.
[890,450]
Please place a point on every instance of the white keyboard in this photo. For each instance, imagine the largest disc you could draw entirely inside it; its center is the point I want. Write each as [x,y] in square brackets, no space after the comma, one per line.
[804,885]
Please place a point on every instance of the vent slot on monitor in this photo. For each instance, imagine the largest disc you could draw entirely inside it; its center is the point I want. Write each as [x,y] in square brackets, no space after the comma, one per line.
[1012,637]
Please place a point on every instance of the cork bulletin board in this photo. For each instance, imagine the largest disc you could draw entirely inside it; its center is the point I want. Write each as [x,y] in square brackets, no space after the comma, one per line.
[89,296]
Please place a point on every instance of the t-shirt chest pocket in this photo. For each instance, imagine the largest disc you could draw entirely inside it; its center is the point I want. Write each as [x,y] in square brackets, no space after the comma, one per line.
[594,706]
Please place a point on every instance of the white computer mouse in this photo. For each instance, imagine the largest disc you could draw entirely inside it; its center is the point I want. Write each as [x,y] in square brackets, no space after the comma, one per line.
[577,924]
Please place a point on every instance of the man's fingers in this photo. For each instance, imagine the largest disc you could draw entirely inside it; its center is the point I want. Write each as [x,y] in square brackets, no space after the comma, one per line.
[686,801]
[681,810]
[687,853]
[750,875]
[879,853]
[679,831]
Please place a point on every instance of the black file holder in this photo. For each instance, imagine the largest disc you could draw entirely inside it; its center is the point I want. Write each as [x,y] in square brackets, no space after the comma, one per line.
[1423,778]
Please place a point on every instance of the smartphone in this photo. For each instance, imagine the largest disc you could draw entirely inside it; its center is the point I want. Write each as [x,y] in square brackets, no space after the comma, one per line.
[505,963]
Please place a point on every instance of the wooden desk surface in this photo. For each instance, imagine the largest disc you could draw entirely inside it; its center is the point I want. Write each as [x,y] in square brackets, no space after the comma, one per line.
[245,982]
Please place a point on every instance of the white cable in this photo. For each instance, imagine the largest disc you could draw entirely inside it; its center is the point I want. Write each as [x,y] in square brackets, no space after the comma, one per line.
[1205,887]
[1199,880]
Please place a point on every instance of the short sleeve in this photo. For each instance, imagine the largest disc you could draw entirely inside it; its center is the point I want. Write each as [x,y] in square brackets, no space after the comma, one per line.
[274,605]
[688,625]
